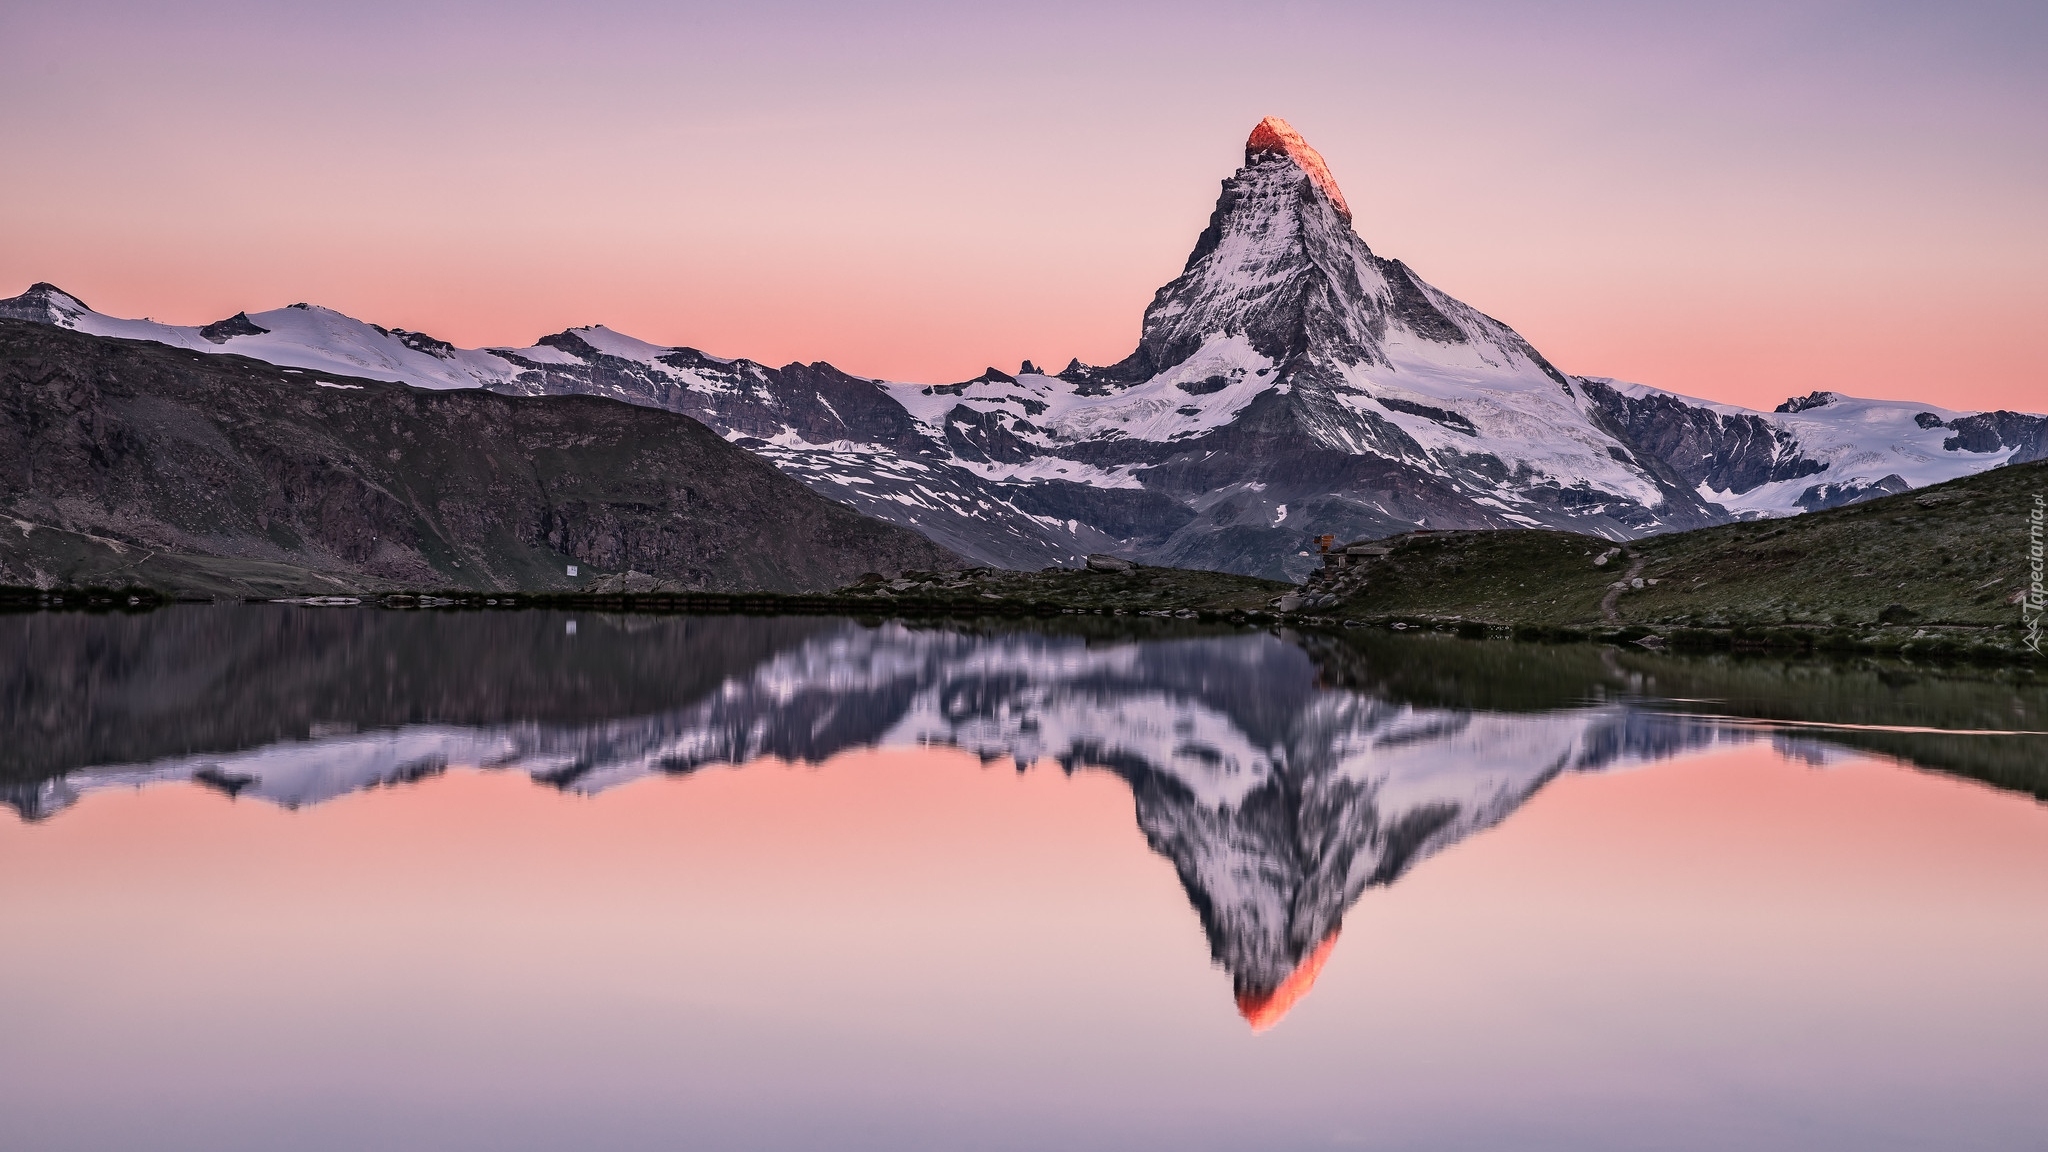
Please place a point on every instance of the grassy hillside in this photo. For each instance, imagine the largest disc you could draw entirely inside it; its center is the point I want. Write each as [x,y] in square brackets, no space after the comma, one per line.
[1949,555]
[1139,589]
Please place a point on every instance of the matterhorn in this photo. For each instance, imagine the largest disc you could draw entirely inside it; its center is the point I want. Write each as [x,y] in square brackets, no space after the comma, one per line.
[1289,383]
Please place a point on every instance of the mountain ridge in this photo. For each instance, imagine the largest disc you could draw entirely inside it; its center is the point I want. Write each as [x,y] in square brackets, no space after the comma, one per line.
[233,476]
[1290,381]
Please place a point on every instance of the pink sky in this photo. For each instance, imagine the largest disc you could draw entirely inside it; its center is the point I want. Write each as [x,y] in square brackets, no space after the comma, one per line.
[1740,203]
[922,950]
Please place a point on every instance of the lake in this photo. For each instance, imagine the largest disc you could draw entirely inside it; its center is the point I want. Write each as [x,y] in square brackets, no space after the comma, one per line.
[284,877]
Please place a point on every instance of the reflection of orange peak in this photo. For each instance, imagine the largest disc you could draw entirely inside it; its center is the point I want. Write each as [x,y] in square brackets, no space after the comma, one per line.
[1262,1010]
[1277,136]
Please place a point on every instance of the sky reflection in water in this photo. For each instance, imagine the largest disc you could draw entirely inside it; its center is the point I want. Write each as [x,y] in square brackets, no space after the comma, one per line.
[783,887]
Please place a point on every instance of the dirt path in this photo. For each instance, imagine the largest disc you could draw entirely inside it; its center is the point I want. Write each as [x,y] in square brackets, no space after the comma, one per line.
[1614,590]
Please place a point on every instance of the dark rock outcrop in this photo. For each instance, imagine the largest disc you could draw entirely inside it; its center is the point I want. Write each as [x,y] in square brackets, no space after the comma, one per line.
[222,331]
[1808,401]
[1725,451]
[1994,431]
[1821,496]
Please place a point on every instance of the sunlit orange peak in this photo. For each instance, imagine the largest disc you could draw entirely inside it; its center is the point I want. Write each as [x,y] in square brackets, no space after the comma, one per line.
[1262,1010]
[1278,137]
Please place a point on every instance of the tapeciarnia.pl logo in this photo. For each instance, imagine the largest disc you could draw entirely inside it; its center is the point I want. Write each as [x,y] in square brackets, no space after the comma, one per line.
[2036,601]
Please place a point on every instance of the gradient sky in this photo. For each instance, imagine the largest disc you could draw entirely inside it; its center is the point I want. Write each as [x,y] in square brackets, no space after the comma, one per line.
[1738,201]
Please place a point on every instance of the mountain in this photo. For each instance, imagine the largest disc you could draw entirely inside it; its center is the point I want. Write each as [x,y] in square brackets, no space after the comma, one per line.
[1289,381]
[1822,450]
[129,462]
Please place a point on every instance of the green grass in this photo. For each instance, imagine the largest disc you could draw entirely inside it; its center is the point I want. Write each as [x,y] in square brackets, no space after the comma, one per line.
[1141,589]
[76,561]
[1949,556]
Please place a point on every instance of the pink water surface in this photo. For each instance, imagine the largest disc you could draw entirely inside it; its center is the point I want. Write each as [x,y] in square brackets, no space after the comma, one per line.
[907,949]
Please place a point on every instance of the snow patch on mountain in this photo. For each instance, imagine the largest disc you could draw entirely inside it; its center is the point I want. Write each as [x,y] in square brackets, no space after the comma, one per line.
[624,347]
[1860,442]
[1204,392]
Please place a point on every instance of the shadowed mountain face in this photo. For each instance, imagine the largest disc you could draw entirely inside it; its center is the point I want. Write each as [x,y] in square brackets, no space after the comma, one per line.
[126,462]
[1283,776]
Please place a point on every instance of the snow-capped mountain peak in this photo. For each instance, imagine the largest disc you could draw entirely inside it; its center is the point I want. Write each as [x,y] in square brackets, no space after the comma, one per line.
[1276,136]
[45,303]
[1289,382]
[606,342]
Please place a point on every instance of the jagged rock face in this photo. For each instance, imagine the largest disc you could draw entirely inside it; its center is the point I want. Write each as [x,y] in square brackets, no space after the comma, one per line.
[1807,402]
[222,331]
[807,403]
[2025,434]
[1276,137]
[1819,496]
[1816,451]
[1725,451]
[1278,264]
[1290,382]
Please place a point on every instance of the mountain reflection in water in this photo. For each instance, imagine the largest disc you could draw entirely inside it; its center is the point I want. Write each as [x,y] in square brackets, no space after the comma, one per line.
[1282,775]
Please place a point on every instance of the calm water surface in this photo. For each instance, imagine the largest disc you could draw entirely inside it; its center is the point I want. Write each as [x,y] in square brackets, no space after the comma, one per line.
[348,879]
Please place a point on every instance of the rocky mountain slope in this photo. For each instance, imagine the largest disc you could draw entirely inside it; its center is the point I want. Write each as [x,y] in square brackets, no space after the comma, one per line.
[128,462]
[1822,450]
[1289,382]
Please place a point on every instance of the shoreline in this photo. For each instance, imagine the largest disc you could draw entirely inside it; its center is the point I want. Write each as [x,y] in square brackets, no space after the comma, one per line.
[1982,644]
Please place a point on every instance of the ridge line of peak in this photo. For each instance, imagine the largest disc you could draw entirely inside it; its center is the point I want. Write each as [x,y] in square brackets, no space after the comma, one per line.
[1274,136]
[43,289]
